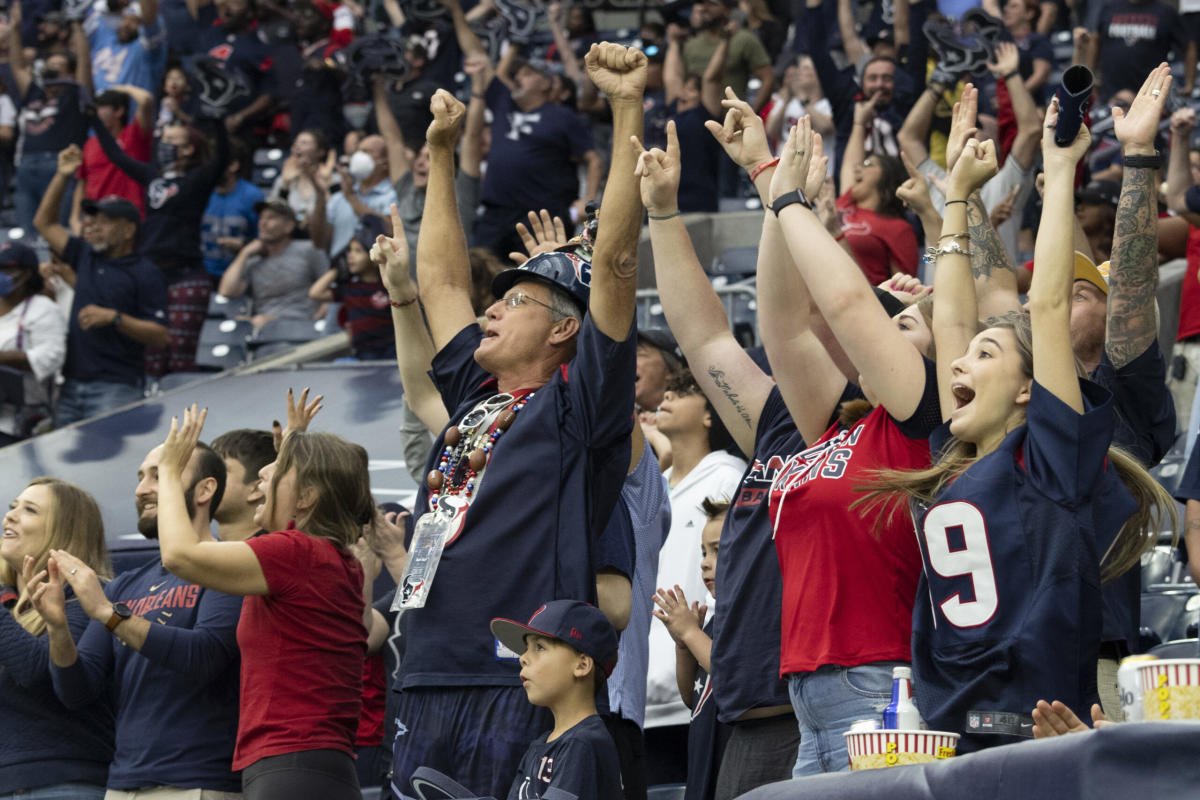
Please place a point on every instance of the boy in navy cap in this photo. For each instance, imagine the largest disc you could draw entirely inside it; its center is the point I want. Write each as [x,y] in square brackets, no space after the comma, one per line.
[568,648]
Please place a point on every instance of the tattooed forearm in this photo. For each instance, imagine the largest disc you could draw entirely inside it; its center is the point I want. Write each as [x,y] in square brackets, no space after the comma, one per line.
[988,255]
[735,400]
[1133,274]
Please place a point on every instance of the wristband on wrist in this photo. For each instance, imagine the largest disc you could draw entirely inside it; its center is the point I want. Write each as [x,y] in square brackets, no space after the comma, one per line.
[1142,162]
[791,198]
[116,320]
[758,170]
[1016,73]
[840,237]
[964,202]
[664,216]
[402,303]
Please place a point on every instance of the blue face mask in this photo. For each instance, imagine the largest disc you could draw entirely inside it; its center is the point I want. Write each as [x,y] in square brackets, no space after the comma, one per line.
[7,284]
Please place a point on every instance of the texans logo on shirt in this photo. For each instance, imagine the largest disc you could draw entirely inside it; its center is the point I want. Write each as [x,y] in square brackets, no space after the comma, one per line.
[756,486]
[160,191]
[379,300]
[828,459]
[1133,28]
[39,115]
[521,123]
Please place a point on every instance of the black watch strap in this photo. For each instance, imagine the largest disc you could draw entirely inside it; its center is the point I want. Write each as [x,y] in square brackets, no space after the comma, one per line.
[792,197]
[1143,162]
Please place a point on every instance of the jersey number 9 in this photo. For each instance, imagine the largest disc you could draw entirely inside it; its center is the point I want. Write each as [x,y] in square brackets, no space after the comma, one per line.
[968,556]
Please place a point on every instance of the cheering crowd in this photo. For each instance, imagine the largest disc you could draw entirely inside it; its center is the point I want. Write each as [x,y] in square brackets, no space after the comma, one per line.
[937,458]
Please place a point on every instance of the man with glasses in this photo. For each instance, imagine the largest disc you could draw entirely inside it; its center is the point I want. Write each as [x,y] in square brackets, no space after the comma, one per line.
[523,481]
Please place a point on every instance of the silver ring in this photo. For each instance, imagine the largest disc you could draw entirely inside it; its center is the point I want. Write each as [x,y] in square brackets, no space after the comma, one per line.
[73,571]
[1156,92]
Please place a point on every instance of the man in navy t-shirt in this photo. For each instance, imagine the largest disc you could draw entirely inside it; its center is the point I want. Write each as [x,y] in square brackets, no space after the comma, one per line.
[549,383]
[120,300]
[226,34]
[165,649]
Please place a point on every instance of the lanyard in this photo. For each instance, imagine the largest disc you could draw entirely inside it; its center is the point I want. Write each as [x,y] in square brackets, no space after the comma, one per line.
[21,322]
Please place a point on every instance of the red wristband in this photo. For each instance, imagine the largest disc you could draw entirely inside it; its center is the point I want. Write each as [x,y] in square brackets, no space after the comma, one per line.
[408,302]
[758,170]
[841,236]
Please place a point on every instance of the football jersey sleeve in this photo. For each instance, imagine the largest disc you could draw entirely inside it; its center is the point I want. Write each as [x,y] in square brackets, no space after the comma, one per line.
[454,370]
[599,386]
[928,416]
[1144,409]
[1066,452]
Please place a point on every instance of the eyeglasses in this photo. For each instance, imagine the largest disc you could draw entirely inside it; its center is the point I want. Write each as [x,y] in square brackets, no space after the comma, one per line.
[517,298]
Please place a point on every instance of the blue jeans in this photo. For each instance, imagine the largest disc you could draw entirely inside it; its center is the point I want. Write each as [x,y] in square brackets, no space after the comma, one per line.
[826,702]
[83,399]
[61,791]
[34,173]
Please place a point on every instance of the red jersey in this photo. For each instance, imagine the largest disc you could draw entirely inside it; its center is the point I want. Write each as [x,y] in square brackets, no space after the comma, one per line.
[849,583]
[878,242]
[104,178]
[1189,301]
[303,646]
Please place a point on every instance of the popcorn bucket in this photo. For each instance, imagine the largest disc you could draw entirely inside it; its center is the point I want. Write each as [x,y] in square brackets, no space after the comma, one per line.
[1170,689]
[895,748]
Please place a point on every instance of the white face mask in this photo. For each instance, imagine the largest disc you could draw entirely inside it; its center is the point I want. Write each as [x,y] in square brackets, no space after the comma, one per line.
[361,166]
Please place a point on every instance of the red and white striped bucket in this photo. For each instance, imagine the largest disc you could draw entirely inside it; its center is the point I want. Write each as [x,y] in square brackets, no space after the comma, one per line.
[895,748]
[1170,688]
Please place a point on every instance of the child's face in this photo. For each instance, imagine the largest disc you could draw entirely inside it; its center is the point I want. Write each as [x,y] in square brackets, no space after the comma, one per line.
[357,259]
[710,542]
[548,669]
[176,83]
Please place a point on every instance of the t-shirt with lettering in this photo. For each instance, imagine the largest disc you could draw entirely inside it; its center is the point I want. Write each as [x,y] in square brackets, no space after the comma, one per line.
[581,764]
[532,163]
[303,646]
[1134,39]
[849,580]
[176,699]
[882,245]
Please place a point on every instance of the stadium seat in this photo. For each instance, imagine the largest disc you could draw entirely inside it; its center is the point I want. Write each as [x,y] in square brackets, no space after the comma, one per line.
[1163,567]
[293,331]
[264,177]
[1167,613]
[223,343]
[221,356]
[666,791]
[736,262]
[222,307]
[1180,648]
[269,156]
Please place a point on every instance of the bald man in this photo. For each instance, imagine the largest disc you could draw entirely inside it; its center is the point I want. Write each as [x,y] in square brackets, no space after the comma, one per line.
[365,189]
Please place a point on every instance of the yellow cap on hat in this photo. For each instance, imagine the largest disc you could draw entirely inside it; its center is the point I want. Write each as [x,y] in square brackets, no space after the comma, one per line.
[1086,270]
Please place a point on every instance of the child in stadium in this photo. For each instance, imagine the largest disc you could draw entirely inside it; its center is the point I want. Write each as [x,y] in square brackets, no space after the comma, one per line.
[354,281]
[1024,483]
[568,648]
[693,640]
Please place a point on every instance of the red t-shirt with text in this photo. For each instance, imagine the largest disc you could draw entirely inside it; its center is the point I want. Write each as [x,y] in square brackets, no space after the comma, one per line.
[878,242]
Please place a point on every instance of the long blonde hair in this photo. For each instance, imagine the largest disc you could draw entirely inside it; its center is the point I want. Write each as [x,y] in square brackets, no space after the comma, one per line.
[1156,508]
[337,470]
[72,523]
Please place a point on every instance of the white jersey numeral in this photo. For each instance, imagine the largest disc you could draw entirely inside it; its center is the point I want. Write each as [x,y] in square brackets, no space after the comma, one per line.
[970,557]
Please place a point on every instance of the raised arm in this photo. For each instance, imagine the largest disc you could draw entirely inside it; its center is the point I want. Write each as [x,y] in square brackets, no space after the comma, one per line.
[83,58]
[731,381]
[744,139]
[468,42]
[1050,290]
[414,347]
[399,158]
[443,267]
[673,65]
[856,146]
[1179,167]
[855,47]
[913,136]
[956,318]
[21,70]
[229,567]
[144,102]
[1006,67]
[712,83]
[619,72]
[1133,276]
[470,158]
[45,220]
[139,171]
[808,378]
[915,194]
[566,53]
[885,358]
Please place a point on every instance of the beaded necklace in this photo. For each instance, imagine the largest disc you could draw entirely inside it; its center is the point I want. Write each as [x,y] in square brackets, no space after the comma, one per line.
[468,446]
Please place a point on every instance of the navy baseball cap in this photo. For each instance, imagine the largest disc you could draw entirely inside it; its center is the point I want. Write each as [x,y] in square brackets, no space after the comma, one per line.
[113,206]
[21,256]
[565,271]
[661,339]
[573,622]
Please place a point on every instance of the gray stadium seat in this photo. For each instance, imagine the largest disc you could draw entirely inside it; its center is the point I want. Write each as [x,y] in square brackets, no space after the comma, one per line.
[1167,613]
[1180,648]
[223,343]
[736,262]
[222,307]
[287,330]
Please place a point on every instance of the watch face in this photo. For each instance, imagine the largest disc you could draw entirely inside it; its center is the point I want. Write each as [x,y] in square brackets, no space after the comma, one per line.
[122,610]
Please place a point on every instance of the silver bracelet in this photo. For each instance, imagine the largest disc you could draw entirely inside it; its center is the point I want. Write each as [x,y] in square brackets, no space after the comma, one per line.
[952,248]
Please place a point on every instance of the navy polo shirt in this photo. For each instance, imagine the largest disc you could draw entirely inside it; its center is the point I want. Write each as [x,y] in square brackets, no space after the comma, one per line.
[533,531]
[129,284]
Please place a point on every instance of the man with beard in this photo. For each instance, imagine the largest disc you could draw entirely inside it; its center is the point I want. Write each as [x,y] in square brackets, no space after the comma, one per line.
[133,52]
[167,652]
[226,34]
[120,300]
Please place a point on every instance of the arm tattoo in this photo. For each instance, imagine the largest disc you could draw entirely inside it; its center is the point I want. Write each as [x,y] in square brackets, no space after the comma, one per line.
[988,252]
[1133,274]
[718,377]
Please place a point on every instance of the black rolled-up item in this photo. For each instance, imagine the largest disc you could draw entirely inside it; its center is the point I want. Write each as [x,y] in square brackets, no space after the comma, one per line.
[1074,100]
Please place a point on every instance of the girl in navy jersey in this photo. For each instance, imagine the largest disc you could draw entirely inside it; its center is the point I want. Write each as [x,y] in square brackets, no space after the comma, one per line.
[302,633]
[848,583]
[1024,485]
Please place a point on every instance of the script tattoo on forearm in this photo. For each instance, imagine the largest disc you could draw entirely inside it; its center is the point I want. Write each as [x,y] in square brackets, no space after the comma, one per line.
[718,377]
[988,254]
[1133,276]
